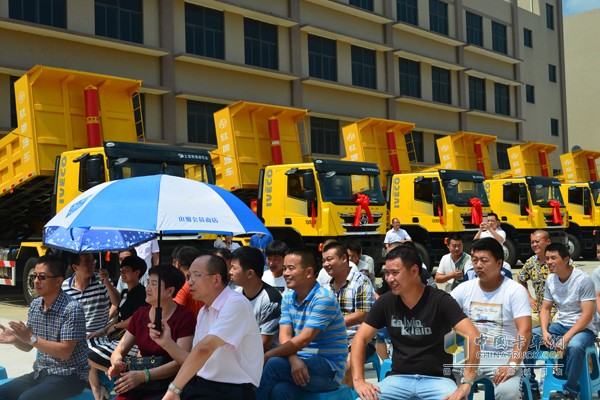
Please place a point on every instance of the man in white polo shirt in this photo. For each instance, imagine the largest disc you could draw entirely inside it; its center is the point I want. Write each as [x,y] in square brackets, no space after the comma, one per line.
[396,234]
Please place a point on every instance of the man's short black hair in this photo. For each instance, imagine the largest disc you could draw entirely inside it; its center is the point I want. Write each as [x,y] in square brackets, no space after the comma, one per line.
[355,246]
[217,265]
[135,263]
[276,248]
[55,265]
[491,245]
[250,258]
[186,255]
[560,248]
[455,236]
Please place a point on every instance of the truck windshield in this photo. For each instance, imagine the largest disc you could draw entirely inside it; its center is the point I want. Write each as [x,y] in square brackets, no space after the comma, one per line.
[542,195]
[130,169]
[344,189]
[459,192]
[595,188]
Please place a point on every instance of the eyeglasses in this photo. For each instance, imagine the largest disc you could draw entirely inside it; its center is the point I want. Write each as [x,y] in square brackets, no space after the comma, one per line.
[197,276]
[41,277]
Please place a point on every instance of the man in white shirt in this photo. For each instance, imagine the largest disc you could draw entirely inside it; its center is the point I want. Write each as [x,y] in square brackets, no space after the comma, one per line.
[364,262]
[396,234]
[491,228]
[454,264]
[148,252]
[273,276]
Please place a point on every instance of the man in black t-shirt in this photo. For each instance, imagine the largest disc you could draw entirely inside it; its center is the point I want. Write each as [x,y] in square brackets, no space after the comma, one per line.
[417,317]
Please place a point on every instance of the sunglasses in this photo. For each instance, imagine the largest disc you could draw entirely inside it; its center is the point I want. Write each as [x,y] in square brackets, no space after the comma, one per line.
[40,277]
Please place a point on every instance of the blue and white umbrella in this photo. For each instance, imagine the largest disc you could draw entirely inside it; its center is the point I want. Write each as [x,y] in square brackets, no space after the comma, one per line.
[121,214]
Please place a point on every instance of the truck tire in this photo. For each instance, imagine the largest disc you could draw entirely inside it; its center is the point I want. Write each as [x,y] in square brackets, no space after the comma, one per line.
[511,253]
[424,255]
[28,291]
[574,246]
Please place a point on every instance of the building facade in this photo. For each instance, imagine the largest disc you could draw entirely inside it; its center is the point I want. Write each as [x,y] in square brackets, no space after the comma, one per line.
[493,67]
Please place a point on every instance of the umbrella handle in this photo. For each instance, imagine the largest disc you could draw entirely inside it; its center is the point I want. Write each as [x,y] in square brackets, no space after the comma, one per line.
[158,319]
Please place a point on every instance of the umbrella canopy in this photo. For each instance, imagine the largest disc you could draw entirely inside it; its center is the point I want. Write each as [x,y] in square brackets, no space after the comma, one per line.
[121,214]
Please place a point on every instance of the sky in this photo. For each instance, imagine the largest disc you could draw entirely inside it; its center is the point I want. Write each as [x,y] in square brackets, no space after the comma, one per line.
[578,6]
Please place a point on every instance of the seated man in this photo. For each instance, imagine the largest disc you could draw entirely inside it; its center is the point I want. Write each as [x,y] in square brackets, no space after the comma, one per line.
[227,358]
[417,317]
[499,309]
[273,276]
[454,264]
[571,290]
[490,228]
[312,334]
[56,329]
[246,272]
[364,262]
[353,291]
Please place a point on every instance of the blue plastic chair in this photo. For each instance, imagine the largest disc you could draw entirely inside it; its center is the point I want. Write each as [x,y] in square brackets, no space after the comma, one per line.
[553,383]
[343,393]
[489,390]
[375,363]
[386,366]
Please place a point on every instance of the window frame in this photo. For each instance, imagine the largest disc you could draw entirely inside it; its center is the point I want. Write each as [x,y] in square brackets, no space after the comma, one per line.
[552,73]
[21,9]
[474,32]
[322,59]
[363,4]
[549,16]
[203,33]
[135,33]
[438,85]
[258,50]
[499,38]
[528,38]
[502,99]
[410,82]
[204,116]
[554,127]
[364,74]
[322,129]
[407,11]
[477,100]
[438,17]
[530,93]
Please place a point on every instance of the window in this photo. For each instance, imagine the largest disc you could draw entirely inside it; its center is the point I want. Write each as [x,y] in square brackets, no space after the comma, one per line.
[424,190]
[501,94]
[44,12]
[410,78]
[295,186]
[510,193]
[139,113]
[550,16]
[477,93]
[553,126]
[499,42]
[407,11]
[552,73]
[438,16]
[204,31]
[119,19]
[364,72]
[364,4]
[436,153]
[322,58]
[324,136]
[440,82]
[260,44]
[527,37]
[530,93]
[414,146]
[200,122]
[13,105]
[502,155]
[474,29]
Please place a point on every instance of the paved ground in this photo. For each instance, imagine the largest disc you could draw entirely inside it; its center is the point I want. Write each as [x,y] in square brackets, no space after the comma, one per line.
[16,362]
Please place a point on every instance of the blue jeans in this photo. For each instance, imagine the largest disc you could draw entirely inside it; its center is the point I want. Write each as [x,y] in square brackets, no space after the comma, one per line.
[575,354]
[277,383]
[46,386]
[408,387]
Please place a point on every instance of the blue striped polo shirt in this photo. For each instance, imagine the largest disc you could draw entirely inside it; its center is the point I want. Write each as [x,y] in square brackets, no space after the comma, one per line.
[319,310]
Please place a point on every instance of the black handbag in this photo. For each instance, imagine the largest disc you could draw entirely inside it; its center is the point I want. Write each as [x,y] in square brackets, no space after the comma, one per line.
[142,363]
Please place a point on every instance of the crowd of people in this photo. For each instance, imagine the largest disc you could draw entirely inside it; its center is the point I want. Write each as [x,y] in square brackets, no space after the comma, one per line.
[268,322]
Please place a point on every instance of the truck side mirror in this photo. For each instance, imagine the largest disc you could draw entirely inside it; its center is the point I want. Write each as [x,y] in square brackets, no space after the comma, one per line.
[94,171]
[435,188]
[309,180]
[310,195]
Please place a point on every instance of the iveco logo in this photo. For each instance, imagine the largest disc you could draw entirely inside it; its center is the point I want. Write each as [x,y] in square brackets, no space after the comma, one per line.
[222,123]
[444,148]
[364,219]
[351,136]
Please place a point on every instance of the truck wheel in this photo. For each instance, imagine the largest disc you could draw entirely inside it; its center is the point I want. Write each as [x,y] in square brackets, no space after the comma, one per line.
[28,291]
[424,255]
[574,246]
[511,255]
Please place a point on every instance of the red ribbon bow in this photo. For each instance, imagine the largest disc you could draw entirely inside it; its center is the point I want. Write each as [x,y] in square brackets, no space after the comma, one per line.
[476,211]
[556,215]
[363,201]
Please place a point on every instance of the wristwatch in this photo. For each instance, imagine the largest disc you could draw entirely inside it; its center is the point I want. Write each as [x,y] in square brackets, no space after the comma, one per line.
[174,389]
[512,364]
[468,381]
[33,340]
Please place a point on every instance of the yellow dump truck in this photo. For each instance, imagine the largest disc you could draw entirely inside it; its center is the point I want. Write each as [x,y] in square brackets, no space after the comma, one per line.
[431,203]
[47,160]
[303,201]
[581,191]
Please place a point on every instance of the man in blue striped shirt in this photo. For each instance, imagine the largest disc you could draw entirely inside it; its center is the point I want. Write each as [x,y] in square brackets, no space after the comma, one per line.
[312,333]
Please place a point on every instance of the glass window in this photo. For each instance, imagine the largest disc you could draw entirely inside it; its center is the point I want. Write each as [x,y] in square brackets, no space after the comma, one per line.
[549,16]
[499,42]
[364,4]
[502,155]
[324,135]
[436,153]
[204,31]
[407,11]
[460,191]
[440,80]
[553,126]
[139,113]
[295,186]
[260,44]
[552,72]
[576,195]
[530,93]
[527,37]
[44,12]
[502,97]
[13,105]
[119,19]
[364,71]
[438,16]
[414,146]
[510,193]
[424,190]
[200,122]
[474,29]
[410,78]
[477,93]
[322,58]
